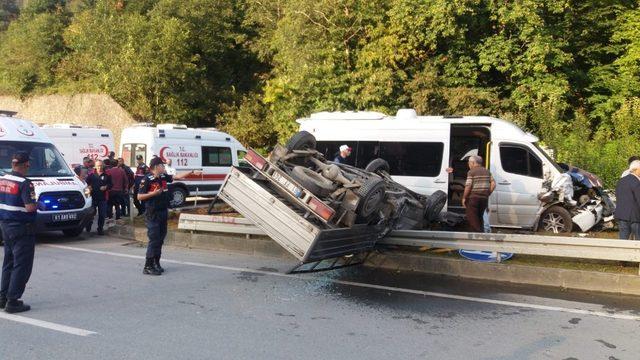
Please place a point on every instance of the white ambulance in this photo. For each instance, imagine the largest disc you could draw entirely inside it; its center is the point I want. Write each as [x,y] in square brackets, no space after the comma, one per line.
[201,157]
[64,201]
[76,142]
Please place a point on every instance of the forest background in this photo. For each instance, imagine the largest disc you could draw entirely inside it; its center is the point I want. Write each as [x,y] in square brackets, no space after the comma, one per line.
[566,70]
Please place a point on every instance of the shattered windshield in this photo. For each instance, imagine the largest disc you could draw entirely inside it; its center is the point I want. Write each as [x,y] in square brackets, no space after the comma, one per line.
[45,160]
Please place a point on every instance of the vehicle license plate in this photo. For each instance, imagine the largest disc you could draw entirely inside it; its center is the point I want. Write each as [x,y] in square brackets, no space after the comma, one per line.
[296,191]
[64,217]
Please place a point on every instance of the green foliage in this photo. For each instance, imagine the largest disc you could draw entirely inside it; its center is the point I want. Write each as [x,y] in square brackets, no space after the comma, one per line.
[567,70]
[31,50]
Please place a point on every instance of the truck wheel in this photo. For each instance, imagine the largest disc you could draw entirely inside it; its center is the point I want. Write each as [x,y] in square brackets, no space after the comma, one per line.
[177,197]
[371,197]
[73,232]
[556,220]
[377,165]
[301,140]
[312,181]
[434,205]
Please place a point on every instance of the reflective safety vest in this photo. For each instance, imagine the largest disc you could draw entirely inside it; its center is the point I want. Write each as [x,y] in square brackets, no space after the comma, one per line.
[12,207]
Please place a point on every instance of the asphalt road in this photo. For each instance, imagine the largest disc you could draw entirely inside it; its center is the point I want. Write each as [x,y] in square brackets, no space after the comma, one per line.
[91,301]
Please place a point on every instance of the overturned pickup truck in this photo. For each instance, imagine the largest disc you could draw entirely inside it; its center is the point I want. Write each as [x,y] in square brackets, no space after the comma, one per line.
[327,215]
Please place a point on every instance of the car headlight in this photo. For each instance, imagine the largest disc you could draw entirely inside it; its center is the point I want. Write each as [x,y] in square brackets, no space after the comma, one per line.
[87,192]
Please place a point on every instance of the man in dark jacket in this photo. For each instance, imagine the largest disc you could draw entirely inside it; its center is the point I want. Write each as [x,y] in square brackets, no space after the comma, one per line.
[628,203]
[100,183]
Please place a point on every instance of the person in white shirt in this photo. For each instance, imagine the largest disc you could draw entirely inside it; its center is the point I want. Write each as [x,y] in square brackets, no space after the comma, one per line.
[627,172]
[168,169]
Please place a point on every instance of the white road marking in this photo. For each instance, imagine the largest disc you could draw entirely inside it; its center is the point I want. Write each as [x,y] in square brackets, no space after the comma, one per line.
[371,286]
[46,325]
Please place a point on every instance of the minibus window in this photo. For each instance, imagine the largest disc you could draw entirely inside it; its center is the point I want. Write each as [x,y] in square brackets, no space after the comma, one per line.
[413,158]
[518,160]
[216,156]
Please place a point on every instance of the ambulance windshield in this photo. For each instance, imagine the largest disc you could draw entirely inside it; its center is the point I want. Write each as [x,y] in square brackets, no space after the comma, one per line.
[45,160]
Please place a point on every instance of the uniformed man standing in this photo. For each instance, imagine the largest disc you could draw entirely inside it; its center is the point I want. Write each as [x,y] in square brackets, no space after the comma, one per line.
[154,193]
[17,215]
[141,172]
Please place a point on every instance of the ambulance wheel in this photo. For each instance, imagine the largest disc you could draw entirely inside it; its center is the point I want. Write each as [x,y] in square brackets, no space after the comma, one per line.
[371,197]
[177,196]
[72,232]
[556,220]
[302,140]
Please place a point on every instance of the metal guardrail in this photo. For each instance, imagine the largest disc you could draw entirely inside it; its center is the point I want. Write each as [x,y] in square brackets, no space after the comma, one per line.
[558,246]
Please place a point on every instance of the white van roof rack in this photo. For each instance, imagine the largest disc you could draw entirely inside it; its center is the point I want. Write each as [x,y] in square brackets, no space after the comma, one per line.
[172,126]
[348,115]
[70,126]
[144,124]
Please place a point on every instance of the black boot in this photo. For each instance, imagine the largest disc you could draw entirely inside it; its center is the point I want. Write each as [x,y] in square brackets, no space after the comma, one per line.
[150,267]
[157,264]
[3,301]
[16,306]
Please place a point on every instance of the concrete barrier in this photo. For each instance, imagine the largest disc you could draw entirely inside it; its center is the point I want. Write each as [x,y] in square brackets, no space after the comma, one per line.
[407,261]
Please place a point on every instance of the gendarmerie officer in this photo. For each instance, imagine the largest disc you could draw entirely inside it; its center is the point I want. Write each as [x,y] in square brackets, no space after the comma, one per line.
[142,170]
[17,215]
[154,193]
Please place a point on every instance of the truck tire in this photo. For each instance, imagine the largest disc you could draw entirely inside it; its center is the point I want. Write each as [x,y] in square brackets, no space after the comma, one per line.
[177,197]
[376,165]
[434,205]
[556,219]
[73,232]
[312,181]
[301,140]
[371,197]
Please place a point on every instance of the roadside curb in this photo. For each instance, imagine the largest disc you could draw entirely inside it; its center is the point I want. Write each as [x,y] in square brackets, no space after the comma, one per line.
[505,272]
[407,261]
[252,245]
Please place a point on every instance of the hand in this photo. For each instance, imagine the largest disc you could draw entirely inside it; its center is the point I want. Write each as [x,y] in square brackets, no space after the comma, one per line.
[103,188]
[449,170]
[464,203]
[157,192]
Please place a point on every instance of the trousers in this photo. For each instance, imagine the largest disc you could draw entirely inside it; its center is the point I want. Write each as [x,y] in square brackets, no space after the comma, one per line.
[156,231]
[627,229]
[19,250]
[476,207]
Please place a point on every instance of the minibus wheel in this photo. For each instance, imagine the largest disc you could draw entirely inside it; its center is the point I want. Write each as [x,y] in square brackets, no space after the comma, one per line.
[302,140]
[557,220]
